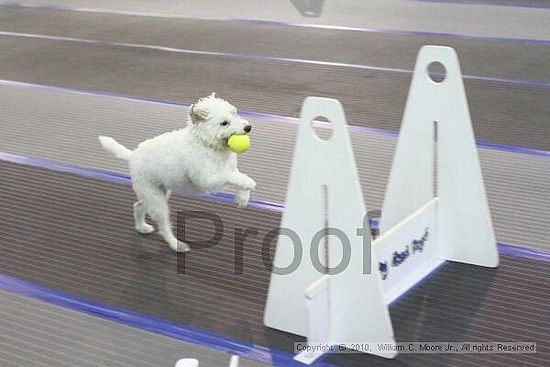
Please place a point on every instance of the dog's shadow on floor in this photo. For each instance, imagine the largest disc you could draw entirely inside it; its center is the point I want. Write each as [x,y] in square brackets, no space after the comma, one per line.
[309,8]
[147,287]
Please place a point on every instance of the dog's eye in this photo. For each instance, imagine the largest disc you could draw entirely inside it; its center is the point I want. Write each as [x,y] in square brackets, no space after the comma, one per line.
[225,123]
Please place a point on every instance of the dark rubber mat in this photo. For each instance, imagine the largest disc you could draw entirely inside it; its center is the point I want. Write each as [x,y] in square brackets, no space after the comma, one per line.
[518,3]
[516,60]
[76,235]
[501,113]
[512,114]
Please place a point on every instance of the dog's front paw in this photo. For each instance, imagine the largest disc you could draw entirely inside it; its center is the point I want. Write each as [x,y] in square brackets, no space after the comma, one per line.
[249,184]
[242,197]
[179,246]
[145,228]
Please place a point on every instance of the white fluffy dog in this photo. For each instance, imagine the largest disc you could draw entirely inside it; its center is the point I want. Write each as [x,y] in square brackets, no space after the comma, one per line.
[193,159]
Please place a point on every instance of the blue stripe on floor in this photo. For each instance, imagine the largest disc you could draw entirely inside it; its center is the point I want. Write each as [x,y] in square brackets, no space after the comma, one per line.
[152,324]
[122,179]
[518,4]
[267,116]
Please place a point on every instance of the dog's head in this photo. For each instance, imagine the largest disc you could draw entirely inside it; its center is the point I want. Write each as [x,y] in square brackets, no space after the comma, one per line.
[214,120]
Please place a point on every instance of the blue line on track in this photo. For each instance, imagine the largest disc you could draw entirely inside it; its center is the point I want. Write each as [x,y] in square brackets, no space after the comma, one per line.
[486,3]
[152,324]
[269,117]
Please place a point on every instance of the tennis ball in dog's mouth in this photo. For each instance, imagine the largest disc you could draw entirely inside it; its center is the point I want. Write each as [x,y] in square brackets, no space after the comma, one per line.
[238,143]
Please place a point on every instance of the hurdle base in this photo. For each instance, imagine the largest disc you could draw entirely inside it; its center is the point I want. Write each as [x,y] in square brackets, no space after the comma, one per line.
[308,357]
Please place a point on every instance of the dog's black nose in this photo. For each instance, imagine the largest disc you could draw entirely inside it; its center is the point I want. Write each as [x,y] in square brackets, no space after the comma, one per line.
[247,128]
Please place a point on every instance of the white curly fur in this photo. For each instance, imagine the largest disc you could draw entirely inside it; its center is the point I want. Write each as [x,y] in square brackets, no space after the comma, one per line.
[194,159]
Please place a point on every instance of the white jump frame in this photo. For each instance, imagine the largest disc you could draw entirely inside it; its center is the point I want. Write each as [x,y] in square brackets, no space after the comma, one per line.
[419,229]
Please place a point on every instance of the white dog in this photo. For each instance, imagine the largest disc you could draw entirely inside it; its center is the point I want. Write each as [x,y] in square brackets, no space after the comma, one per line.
[193,159]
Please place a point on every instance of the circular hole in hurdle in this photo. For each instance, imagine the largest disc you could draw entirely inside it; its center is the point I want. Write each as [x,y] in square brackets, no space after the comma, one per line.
[322,127]
[437,72]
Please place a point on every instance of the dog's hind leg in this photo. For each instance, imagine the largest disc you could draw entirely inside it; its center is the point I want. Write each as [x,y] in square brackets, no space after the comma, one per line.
[157,206]
[139,216]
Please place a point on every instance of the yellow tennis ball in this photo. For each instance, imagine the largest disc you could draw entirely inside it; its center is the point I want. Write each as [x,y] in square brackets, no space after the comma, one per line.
[238,143]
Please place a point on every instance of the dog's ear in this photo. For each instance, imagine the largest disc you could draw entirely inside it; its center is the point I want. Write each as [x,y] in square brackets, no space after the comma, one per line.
[196,114]
[214,94]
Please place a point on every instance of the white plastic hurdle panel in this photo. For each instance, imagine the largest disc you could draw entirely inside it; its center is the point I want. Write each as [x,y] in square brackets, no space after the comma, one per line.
[420,229]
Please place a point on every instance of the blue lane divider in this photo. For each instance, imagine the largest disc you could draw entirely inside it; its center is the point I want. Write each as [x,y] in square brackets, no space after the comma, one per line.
[268,116]
[518,4]
[13,4]
[124,179]
[184,333]
[526,253]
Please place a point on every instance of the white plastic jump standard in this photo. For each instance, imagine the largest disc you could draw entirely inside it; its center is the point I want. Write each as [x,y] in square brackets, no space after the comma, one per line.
[464,223]
[331,164]
[419,229]
[356,310]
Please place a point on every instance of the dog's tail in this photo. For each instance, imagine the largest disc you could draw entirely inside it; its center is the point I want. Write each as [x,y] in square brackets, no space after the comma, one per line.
[111,145]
